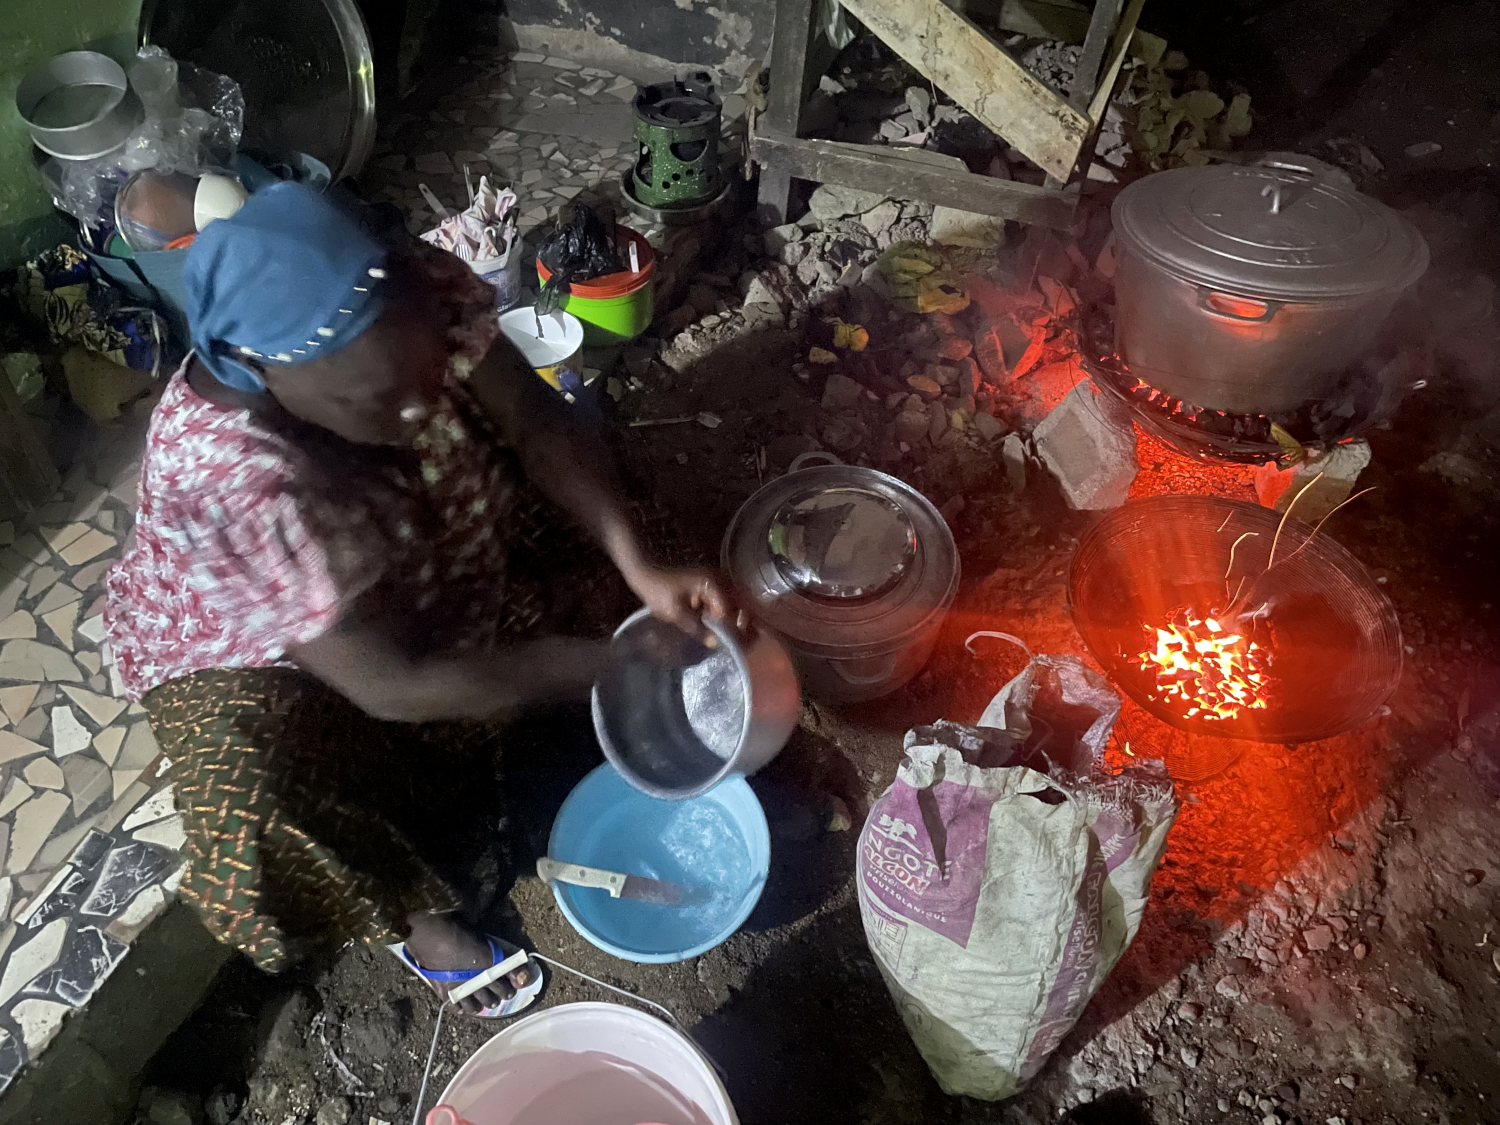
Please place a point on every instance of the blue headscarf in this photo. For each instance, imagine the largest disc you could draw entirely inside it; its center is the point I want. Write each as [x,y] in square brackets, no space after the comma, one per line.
[287,278]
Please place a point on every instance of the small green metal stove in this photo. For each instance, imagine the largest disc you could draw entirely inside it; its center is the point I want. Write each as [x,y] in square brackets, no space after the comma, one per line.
[677,129]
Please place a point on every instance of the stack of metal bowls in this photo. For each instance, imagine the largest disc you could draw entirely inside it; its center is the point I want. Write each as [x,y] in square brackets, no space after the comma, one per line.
[78,106]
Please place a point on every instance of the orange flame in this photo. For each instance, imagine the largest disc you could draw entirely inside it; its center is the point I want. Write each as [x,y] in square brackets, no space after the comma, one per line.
[1206,670]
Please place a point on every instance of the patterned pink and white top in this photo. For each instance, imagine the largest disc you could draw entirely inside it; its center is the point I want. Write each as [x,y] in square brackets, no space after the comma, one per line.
[250,541]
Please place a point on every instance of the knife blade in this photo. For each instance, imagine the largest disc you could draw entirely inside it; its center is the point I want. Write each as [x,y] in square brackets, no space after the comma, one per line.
[619,884]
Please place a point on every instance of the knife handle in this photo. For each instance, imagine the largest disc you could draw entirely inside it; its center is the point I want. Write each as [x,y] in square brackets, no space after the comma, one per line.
[548,869]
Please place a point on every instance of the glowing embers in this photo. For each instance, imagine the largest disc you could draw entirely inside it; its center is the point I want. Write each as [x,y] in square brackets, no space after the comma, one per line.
[1203,670]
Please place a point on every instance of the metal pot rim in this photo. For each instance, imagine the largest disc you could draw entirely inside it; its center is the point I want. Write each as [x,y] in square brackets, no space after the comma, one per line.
[1268,232]
[730,644]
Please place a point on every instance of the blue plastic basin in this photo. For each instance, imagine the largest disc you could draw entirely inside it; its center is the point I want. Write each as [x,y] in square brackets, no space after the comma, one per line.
[716,845]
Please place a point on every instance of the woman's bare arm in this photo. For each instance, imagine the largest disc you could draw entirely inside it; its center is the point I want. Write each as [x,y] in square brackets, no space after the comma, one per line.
[364,664]
[575,474]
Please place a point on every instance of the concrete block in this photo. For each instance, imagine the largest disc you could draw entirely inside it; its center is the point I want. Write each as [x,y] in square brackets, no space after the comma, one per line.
[1340,466]
[1088,443]
[952,227]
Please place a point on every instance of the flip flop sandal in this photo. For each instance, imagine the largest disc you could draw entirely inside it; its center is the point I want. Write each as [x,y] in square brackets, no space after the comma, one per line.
[469,981]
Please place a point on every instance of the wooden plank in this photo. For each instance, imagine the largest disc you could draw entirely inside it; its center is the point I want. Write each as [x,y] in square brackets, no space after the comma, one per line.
[1095,44]
[874,169]
[1121,46]
[951,51]
[1068,20]
[790,46]
[789,49]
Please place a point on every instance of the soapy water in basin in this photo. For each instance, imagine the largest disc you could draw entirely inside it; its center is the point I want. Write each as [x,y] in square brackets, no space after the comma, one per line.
[693,843]
[713,697]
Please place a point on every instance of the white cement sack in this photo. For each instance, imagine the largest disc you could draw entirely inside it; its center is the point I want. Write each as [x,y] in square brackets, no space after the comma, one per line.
[1003,874]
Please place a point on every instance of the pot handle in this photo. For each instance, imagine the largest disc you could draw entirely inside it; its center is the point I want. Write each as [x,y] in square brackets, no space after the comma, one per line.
[851,678]
[801,460]
[1245,310]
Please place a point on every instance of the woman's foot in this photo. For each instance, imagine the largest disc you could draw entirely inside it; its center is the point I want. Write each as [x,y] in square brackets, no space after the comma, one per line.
[439,942]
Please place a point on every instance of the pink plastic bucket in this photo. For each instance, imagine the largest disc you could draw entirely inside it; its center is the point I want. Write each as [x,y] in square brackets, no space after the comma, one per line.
[587,1064]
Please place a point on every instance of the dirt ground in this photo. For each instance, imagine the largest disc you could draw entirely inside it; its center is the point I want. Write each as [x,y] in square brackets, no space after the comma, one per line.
[1323,939]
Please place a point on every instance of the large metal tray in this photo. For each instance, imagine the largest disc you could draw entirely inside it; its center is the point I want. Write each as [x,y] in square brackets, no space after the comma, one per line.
[305,67]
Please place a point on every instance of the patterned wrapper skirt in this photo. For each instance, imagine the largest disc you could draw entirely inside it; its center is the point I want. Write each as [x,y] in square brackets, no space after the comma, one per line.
[302,812]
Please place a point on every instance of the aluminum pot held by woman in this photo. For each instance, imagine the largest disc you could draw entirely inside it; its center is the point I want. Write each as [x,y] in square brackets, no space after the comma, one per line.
[853,568]
[1252,289]
[676,717]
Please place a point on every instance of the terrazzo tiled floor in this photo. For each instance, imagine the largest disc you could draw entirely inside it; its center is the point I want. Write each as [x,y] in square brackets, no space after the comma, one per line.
[89,839]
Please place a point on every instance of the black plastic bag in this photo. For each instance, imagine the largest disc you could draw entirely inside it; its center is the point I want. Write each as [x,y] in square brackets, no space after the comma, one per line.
[582,247]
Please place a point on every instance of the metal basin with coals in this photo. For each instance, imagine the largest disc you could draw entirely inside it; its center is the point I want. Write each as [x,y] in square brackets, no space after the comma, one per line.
[1331,635]
[854,569]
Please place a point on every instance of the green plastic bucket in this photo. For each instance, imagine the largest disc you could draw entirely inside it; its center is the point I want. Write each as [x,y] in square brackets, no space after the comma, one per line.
[617,307]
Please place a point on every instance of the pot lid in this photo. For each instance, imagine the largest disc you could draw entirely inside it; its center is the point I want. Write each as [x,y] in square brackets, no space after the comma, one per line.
[841,542]
[304,66]
[1269,230]
[842,560]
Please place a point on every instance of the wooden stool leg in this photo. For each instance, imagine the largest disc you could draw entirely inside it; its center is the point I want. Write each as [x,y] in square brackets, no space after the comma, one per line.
[775,195]
[790,43]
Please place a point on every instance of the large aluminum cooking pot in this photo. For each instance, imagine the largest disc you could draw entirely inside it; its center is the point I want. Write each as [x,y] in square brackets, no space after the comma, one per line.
[854,569]
[1252,289]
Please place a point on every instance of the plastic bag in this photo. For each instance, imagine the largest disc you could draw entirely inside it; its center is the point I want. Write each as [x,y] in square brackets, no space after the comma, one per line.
[194,117]
[582,247]
[1004,873]
[193,122]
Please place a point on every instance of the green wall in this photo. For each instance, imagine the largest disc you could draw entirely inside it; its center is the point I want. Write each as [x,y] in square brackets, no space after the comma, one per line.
[31,31]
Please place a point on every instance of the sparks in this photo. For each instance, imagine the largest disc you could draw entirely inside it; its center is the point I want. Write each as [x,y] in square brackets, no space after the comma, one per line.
[1205,670]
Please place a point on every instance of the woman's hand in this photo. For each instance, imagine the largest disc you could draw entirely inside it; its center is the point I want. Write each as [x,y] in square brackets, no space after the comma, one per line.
[682,597]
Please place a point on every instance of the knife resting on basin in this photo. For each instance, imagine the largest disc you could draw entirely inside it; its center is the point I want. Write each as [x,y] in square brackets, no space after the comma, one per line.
[617,883]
